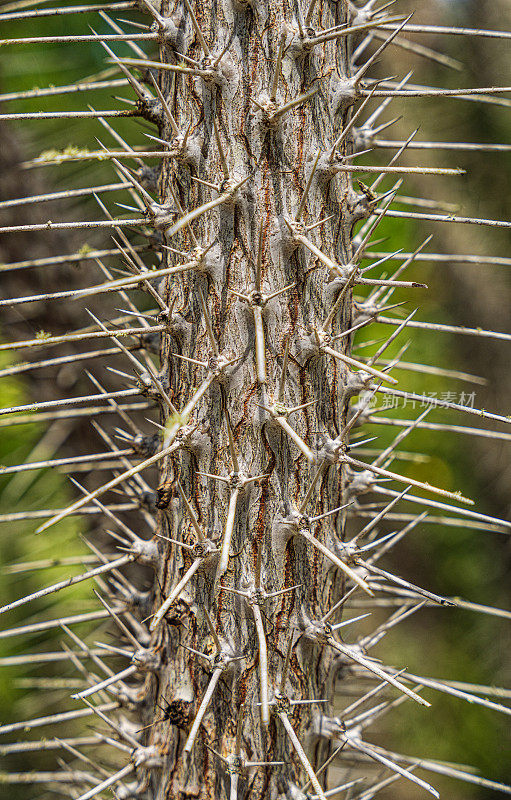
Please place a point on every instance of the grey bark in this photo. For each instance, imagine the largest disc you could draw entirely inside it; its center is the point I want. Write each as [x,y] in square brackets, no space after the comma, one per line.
[277,161]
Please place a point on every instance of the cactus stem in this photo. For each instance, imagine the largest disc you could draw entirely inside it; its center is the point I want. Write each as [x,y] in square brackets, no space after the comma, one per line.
[272,120]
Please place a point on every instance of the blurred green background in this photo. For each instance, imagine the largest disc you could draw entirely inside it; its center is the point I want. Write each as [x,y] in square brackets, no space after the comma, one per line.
[457,561]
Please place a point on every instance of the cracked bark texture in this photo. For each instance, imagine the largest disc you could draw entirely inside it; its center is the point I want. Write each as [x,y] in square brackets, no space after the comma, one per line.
[277,160]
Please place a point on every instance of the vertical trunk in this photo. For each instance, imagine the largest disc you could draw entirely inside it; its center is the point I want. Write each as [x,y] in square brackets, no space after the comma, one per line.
[238,635]
[250,522]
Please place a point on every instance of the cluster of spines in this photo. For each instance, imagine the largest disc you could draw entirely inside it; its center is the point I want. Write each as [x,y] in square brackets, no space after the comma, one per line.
[353,559]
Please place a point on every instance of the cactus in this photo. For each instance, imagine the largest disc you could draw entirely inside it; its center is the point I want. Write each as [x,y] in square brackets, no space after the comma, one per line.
[244,270]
